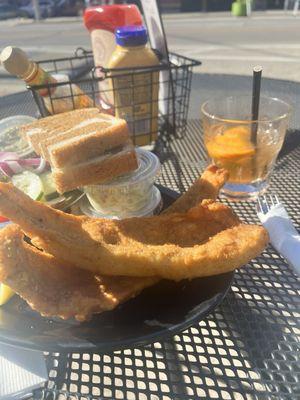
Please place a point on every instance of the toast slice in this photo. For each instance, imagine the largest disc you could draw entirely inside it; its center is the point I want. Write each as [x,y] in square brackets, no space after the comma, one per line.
[92,137]
[83,147]
[38,131]
[99,170]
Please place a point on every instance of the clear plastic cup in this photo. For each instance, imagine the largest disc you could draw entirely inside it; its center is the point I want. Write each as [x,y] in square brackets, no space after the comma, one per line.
[10,138]
[133,194]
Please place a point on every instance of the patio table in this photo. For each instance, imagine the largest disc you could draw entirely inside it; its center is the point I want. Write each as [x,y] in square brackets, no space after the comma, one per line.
[247,348]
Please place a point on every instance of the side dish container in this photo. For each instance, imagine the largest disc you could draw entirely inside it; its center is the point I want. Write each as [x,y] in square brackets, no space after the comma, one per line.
[131,195]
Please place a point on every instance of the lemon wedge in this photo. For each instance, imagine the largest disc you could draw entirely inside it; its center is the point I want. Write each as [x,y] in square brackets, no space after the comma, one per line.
[232,145]
[5,294]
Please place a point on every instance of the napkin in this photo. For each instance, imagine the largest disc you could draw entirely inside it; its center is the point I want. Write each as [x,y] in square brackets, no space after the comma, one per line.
[21,371]
[283,236]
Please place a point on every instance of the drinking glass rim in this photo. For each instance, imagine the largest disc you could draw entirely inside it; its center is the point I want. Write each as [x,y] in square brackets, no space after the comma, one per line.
[246,121]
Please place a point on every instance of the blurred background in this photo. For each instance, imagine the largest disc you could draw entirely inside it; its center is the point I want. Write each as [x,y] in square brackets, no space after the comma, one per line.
[228,37]
[52,8]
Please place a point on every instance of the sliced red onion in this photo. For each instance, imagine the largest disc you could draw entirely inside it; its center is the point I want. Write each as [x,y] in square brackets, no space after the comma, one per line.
[11,164]
[5,169]
[42,167]
[8,155]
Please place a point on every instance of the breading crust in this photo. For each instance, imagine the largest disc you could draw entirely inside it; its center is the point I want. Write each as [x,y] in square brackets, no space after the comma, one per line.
[206,240]
[55,288]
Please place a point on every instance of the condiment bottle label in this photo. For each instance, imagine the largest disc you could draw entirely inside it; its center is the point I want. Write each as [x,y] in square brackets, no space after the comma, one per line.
[66,99]
[135,100]
[41,77]
[59,98]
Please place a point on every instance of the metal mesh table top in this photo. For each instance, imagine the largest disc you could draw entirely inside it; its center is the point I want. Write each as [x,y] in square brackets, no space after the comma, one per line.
[248,348]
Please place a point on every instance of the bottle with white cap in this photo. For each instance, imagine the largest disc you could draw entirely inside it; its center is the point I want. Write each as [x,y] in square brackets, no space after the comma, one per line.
[57,99]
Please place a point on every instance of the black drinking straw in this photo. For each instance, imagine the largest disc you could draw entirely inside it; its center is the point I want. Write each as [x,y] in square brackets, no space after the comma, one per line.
[255,102]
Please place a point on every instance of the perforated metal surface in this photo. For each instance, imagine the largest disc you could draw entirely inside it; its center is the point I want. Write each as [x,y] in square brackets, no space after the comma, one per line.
[248,348]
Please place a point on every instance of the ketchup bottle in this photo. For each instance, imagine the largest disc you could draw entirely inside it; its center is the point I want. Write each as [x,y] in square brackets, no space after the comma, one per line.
[102,21]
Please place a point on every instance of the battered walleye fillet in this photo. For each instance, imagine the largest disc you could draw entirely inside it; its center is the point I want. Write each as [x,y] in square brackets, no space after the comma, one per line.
[207,186]
[207,240]
[54,288]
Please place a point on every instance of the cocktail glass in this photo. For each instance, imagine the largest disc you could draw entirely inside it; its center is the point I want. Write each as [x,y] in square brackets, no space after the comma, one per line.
[246,148]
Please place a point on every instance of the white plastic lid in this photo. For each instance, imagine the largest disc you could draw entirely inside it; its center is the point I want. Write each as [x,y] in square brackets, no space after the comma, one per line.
[154,206]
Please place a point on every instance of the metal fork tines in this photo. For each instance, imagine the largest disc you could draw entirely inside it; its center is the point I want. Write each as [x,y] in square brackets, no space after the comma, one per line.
[266,202]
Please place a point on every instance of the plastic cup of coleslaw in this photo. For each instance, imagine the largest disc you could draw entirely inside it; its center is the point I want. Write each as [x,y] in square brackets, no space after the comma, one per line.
[130,195]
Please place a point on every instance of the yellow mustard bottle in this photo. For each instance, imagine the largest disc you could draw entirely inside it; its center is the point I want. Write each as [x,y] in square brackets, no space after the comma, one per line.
[135,92]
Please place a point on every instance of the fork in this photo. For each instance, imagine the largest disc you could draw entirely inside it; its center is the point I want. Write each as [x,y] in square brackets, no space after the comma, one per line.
[264,205]
[283,235]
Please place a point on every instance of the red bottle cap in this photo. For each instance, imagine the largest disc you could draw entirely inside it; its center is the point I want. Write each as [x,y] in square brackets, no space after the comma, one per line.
[111,17]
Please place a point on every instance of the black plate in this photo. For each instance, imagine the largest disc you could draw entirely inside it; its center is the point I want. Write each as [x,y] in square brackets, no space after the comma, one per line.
[158,312]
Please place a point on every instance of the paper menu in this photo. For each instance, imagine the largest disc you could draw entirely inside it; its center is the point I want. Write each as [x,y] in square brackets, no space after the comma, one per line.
[158,41]
[155,27]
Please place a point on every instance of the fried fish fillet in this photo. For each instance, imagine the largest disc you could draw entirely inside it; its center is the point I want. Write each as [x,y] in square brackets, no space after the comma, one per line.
[207,186]
[57,289]
[207,240]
